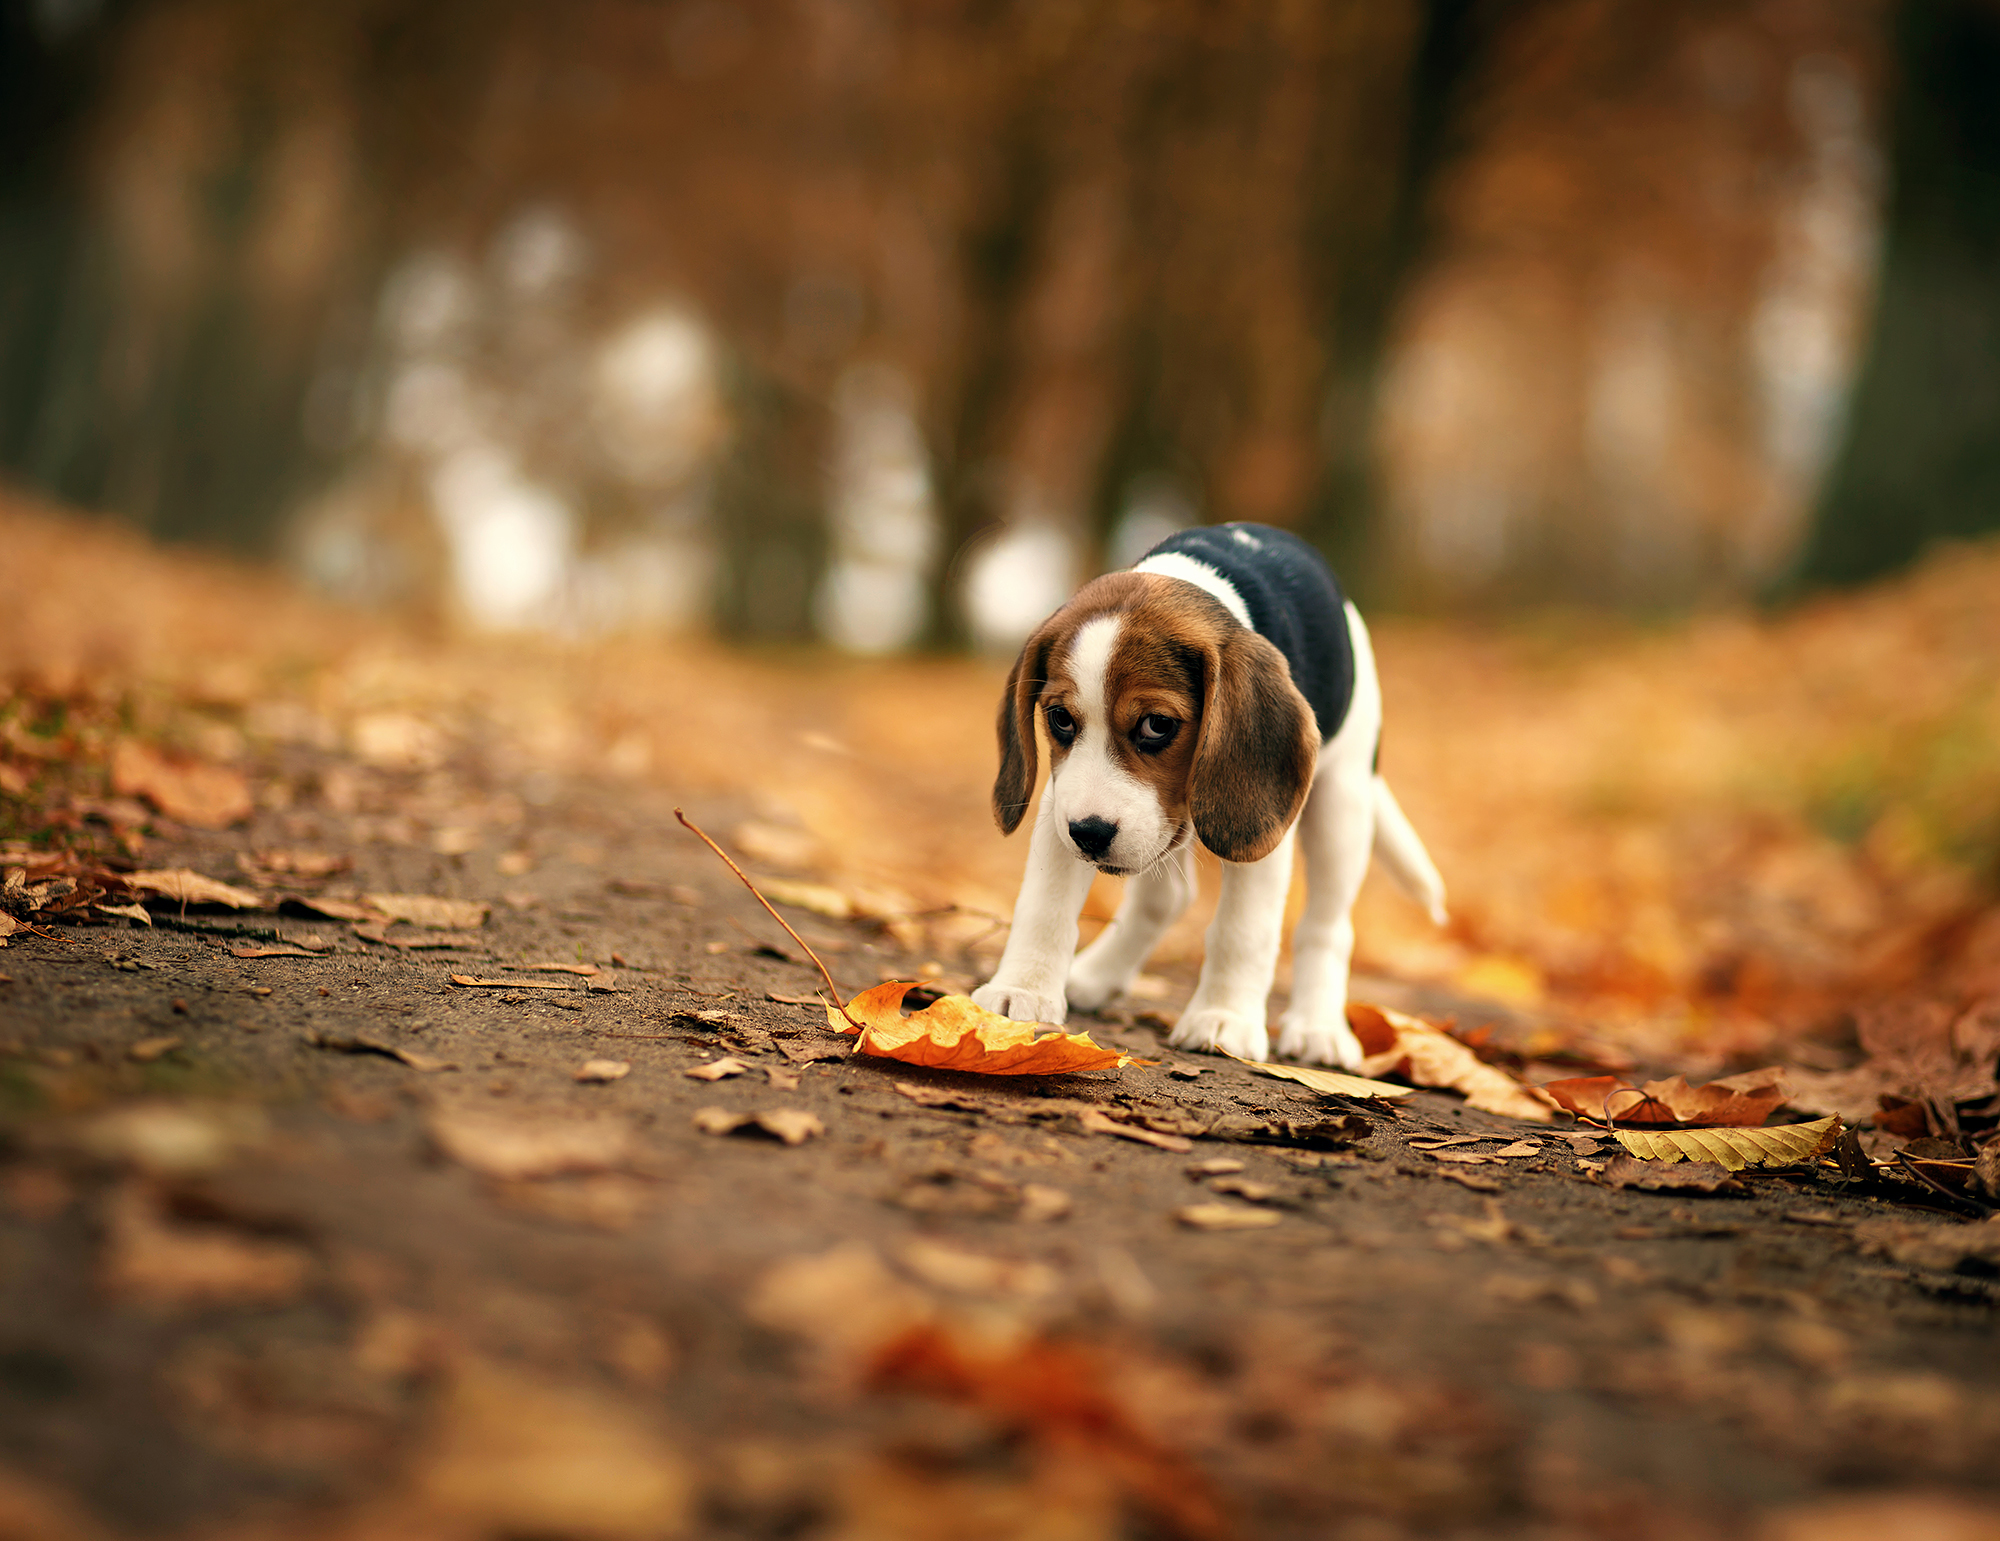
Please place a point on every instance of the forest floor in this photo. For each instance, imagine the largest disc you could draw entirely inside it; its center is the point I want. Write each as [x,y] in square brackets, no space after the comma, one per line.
[302,1237]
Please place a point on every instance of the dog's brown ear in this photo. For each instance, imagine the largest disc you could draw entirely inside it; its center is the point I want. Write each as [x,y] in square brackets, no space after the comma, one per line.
[1016,782]
[1259,745]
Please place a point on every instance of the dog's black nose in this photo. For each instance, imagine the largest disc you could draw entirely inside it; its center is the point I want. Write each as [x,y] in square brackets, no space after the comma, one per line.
[1093,836]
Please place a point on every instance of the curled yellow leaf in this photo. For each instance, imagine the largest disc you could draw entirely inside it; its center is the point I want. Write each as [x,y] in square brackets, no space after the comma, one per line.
[954,1033]
[1783,1145]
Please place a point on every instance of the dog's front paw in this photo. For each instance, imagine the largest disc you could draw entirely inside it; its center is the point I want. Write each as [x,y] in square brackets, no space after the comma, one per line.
[1320,1043]
[1021,1005]
[1220,1031]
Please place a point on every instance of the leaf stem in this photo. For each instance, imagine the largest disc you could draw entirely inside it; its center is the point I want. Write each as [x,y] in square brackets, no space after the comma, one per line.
[838,1004]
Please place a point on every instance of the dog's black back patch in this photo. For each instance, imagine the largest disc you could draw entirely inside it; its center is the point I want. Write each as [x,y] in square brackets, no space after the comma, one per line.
[1294,600]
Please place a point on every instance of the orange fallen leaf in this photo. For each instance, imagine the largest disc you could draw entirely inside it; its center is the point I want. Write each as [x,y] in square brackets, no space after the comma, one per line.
[1400,1045]
[952,1033]
[191,791]
[1736,1102]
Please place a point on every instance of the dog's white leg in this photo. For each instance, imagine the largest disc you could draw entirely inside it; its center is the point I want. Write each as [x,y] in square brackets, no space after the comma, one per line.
[1154,900]
[1337,831]
[1028,985]
[1241,953]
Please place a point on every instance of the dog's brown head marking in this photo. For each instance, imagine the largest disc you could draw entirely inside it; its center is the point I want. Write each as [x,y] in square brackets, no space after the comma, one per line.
[1202,711]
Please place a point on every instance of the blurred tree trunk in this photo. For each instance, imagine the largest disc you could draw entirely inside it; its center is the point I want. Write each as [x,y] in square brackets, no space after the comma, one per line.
[1921,460]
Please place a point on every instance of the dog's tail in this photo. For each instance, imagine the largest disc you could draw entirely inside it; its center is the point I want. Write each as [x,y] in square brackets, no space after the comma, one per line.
[1399,849]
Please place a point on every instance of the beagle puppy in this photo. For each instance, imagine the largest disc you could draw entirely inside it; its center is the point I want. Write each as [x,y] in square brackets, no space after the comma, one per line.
[1221,690]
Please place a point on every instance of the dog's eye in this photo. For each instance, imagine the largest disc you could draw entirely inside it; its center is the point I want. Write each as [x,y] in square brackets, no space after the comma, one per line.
[1062,726]
[1155,731]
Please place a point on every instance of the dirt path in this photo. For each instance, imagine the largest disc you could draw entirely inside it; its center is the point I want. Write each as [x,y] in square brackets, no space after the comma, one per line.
[254,1283]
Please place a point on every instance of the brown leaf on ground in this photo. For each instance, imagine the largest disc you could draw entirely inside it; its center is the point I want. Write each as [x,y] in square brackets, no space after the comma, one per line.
[517,1455]
[1737,1101]
[423,941]
[790,1125]
[952,1268]
[1062,1396]
[1473,1180]
[1097,1123]
[123,911]
[1401,1045]
[184,789]
[513,1147]
[180,886]
[269,950]
[717,1071]
[603,1070]
[952,1033]
[147,1050]
[295,864]
[333,909]
[472,982]
[432,913]
[172,1139]
[1225,1217]
[1331,1082]
[1784,1145]
[1681,1177]
[363,1043]
[585,970]
[153,1261]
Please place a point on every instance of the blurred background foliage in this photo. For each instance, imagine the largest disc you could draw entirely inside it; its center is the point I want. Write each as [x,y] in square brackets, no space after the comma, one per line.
[884,323]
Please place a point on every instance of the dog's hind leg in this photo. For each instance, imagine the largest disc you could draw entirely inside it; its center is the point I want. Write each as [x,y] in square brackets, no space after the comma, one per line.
[1240,955]
[1154,900]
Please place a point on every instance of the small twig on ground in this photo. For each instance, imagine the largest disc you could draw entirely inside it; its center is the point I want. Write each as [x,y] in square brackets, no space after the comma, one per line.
[693,828]
[1985,1212]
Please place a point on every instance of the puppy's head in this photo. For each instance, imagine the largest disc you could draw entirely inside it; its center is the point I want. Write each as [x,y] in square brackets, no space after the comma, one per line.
[1163,712]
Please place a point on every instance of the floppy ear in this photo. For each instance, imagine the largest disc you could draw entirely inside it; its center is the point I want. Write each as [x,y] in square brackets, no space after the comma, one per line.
[1259,744]
[1016,781]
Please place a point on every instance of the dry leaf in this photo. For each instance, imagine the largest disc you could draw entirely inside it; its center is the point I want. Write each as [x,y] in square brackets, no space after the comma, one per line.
[603,1070]
[431,913]
[268,950]
[510,1454]
[1472,1180]
[1096,1123]
[1401,1045]
[1225,1217]
[971,1273]
[1215,1166]
[155,1261]
[513,1148]
[717,1071]
[190,791]
[147,1050]
[299,864]
[788,1124]
[423,941]
[361,1043]
[181,886]
[1041,1202]
[1462,1158]
[467,981]
[815,897]
[126,911]
[1784,1145]
[1331,1082]
[1447,1141]
[953,1033]
[333,909]
[816,1050]
[1681,1177]
[1244,1188]
[779,1079]
[1737,1101]
[586,970]
[1519,1150]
